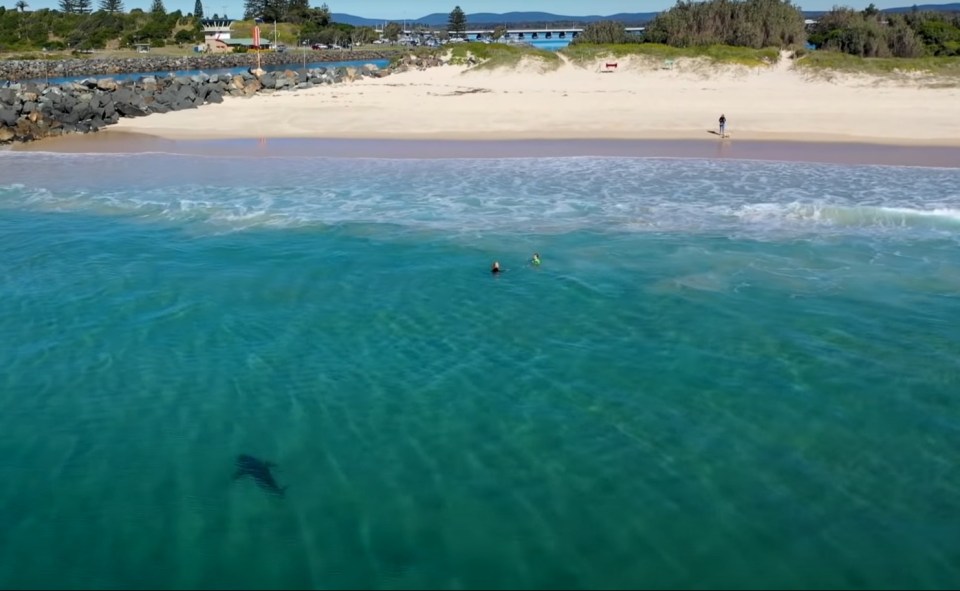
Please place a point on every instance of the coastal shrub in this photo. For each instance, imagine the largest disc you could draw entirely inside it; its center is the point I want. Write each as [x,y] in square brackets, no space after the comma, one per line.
[156,31]
[605,32]
[874,33]
[188,36]
[902,41]
[721,54]
[939,32]
[45,28]
[100,28]
[945,69]
[499,55]
[750,23]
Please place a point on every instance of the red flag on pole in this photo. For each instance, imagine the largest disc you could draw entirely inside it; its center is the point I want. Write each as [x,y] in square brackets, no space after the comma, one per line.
[256,37]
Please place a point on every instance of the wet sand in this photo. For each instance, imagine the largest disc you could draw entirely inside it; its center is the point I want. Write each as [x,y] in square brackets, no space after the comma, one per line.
[111,141]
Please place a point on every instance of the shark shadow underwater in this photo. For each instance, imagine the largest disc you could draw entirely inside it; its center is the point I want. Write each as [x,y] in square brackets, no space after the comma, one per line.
[260,472]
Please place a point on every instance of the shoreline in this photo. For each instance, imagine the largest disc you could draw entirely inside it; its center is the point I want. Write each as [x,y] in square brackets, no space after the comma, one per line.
[705,135]
[777,113]
[171,132]
[839,153]
[638,102]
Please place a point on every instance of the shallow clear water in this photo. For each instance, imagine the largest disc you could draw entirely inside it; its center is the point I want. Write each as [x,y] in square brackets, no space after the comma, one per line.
[724,374]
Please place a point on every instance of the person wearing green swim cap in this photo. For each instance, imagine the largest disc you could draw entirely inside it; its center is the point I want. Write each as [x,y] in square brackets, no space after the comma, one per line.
[536,259]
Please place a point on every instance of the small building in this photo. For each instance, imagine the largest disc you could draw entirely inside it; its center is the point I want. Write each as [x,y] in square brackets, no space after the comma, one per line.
[218,46]
[216,28]
[142,47]
[248,42]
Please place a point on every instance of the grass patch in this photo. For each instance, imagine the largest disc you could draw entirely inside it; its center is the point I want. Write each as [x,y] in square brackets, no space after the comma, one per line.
[66,54]
[286,33]
[584,53]
[33,56]
[500,55]
[128,52]
[832,61]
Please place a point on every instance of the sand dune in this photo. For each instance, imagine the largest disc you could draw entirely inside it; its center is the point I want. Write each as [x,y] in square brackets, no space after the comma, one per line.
[640,100]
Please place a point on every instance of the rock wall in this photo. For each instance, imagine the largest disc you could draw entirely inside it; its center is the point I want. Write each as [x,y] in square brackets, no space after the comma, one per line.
[32,111]
[19,70]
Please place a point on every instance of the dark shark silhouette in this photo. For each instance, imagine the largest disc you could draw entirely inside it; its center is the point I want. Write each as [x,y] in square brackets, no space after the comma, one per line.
[260,472]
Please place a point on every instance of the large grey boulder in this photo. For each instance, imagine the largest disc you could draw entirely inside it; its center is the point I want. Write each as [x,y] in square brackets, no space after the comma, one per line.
[8,117]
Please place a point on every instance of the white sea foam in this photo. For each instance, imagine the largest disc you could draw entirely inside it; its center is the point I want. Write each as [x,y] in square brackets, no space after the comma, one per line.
[537,195]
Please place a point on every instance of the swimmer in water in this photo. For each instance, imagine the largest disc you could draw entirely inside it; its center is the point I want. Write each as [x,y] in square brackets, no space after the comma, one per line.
[495,268]
[536,259]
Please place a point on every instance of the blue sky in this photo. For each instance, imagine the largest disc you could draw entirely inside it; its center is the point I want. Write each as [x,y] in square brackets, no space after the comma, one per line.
[398,9]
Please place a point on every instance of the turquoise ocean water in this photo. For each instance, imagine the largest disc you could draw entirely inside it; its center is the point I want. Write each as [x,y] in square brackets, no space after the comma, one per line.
[724,373]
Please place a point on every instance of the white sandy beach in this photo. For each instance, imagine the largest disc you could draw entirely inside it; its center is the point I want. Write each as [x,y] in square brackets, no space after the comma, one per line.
[640,100]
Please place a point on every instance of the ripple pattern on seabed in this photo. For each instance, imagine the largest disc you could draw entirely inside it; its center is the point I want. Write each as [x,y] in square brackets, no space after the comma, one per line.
[721,374]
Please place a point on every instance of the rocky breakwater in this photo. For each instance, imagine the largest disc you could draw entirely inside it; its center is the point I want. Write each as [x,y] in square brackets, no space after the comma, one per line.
[22,70]
[32,111]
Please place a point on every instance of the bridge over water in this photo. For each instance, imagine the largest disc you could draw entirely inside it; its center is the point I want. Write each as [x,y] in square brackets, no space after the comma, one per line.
[542,33]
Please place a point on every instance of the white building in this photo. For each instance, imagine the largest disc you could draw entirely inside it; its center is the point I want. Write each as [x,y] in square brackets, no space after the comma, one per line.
[214,29]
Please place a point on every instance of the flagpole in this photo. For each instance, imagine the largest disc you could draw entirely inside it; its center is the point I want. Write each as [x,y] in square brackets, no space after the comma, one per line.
[256,43]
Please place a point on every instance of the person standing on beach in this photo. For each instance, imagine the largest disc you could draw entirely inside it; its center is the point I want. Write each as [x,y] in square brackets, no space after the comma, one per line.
[723,125]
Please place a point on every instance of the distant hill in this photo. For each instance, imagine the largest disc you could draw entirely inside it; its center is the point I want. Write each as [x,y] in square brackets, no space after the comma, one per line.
[488,18]
[955,7]
[532,18]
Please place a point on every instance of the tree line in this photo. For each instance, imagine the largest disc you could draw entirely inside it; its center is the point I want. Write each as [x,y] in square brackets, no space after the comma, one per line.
[747,23]
[778,23]
[76,26]
[873,33]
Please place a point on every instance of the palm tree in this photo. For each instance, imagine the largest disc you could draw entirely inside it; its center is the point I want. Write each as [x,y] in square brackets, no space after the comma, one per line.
[21,5]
